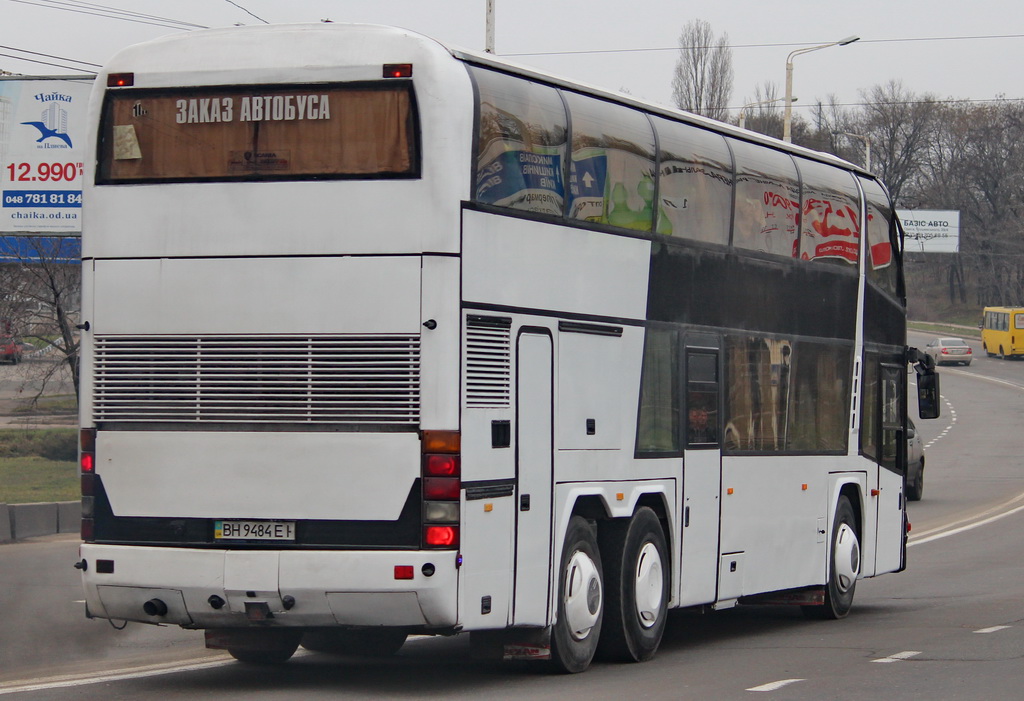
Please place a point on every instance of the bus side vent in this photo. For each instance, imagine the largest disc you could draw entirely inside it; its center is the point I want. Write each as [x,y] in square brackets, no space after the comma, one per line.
[488,361]
[359,380]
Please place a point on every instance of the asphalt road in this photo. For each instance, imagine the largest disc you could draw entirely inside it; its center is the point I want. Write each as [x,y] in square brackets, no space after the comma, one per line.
[950,627]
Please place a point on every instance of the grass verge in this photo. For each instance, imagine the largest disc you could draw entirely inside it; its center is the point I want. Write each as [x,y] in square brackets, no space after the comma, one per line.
[38,465]
[30,479]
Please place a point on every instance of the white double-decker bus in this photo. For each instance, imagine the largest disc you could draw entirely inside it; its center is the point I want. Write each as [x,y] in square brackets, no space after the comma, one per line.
[385,338]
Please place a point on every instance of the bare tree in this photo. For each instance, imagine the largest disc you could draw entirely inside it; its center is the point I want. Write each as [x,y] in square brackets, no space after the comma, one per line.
[702,82]
[898,122]
[763,114]
[40,288]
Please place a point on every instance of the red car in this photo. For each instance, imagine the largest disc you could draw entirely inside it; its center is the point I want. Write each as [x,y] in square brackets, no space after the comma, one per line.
[10,350]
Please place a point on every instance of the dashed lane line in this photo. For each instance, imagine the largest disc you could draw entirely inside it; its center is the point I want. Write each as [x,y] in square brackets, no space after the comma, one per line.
[898,657]
[774,686]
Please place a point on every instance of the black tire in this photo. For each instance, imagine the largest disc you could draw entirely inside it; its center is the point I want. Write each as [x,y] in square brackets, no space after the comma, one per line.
[842,579]
[636,587]
[269,647]
[364,642]
[577,628]
[916,491]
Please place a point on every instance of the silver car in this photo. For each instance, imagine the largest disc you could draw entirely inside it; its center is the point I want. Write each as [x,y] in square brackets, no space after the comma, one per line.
[915,463]
[949,351]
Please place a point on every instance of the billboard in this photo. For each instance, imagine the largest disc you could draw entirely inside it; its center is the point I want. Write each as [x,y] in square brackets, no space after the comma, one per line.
[42,154]
[930,230]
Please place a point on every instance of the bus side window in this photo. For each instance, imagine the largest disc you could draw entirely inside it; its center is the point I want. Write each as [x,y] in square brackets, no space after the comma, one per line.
[702,416]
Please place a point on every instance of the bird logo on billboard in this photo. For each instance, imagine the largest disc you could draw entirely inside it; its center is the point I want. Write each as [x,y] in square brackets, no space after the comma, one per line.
[52,125]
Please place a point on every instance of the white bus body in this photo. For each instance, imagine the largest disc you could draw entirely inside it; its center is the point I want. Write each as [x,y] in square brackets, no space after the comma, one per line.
[273,343]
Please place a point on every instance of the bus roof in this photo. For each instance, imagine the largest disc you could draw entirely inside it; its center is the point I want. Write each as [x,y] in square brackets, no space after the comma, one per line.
[491,61]
[139,57]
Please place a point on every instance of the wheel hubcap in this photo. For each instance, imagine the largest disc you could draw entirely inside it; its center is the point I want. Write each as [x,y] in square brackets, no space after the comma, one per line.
[650,584]
[847,557]
[582,596]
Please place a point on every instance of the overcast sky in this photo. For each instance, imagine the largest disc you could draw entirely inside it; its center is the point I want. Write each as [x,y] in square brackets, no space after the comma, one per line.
[949,49]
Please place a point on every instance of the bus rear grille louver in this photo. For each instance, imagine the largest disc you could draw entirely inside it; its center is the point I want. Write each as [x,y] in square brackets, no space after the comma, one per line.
[488,361]
[302,380]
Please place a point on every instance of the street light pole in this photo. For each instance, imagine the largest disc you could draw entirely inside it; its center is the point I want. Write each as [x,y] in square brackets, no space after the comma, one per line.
[743,110]
[787,119]
[489,40]
[867,146]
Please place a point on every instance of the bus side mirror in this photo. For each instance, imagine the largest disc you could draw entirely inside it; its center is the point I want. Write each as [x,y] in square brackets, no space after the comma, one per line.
[928,394]
[927,383]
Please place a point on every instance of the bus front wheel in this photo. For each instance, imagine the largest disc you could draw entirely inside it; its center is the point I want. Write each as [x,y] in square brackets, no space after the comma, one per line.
[636,599]
[844,565]
[577,627]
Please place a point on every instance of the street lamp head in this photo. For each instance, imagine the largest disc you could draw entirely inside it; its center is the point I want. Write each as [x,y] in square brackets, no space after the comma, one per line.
[848,40]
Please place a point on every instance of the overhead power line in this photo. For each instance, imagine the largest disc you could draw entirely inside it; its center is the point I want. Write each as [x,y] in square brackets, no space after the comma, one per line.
[88,8]
[764,46]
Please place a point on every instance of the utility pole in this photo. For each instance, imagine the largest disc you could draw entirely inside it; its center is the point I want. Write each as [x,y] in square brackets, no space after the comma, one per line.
[489,42]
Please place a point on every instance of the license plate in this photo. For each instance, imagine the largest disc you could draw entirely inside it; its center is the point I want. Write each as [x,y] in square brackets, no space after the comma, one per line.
[254,530]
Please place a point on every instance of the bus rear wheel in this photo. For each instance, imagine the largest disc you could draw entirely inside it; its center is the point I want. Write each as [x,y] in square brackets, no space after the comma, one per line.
[580,614]
[263,647]
[636,598]
[844,565]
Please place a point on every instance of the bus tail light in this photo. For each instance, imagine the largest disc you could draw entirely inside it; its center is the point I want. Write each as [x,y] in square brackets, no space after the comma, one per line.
[398,70]
[87,467]
[120,80]
[442,489]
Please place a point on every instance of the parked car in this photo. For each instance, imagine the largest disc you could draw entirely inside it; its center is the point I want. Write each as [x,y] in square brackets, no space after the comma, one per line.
[949,351]
[915,463]
[10,350]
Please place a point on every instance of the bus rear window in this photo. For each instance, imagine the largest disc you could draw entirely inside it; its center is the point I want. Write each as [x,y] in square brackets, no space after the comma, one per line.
[300,132]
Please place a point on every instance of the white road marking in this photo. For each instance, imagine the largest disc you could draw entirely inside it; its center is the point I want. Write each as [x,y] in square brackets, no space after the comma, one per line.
[945,533]
[993,629]
[898,657]
[773,686]
[63,682]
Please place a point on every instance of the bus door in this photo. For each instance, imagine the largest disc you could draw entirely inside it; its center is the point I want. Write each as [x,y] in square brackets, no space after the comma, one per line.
[702,471]
[892,449]
[534,476]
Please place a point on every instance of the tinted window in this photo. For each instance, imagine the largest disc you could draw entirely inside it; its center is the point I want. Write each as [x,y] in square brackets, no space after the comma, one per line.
[258,133]
[521,144]
[612,170]
[757,373]
[881,264]
[695,183]
[786,396]
[830,214]
[767,199]
[819,415]
[659,396]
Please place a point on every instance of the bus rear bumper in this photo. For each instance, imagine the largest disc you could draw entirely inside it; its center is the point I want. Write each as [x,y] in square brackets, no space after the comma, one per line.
[198,588]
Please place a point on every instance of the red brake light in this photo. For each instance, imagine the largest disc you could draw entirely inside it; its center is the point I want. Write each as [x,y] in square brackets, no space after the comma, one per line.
[398,70]
[441,465]
[120,80]
[441,536]
[87,441]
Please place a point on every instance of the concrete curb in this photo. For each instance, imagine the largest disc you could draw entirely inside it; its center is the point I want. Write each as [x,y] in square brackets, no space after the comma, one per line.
[19,521]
